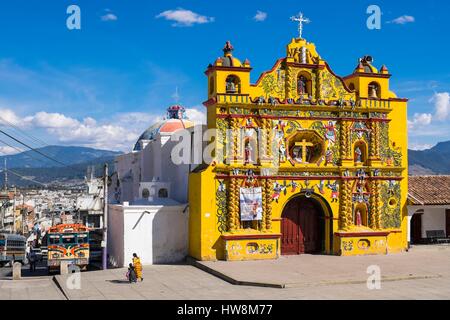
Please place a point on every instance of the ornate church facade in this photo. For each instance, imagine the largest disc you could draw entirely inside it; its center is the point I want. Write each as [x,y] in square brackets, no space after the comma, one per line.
[305,161]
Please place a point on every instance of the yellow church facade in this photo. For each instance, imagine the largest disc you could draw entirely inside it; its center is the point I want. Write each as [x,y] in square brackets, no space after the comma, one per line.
[305,161]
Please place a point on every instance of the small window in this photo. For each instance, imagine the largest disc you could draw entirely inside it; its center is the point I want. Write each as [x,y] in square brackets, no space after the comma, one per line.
[68,239]
[145,193]
[163,193]
[82,238]
[351,86]
[54,239]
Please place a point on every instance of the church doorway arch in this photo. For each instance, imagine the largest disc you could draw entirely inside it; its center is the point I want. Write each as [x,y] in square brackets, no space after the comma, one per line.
[304,226]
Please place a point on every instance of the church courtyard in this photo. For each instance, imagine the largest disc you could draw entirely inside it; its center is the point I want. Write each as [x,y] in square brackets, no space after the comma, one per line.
[422,273]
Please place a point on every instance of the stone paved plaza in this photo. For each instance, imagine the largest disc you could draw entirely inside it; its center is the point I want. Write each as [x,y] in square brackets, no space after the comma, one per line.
[422,273]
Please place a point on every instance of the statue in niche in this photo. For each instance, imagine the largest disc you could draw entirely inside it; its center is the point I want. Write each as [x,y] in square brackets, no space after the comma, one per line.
[358,219]
[302,85]
[248,153]
[358,154]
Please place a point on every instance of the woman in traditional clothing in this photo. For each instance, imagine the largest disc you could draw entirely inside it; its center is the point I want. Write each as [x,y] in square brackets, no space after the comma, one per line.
[137,266]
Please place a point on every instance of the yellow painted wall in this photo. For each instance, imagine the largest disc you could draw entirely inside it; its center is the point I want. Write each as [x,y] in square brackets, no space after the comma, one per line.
[207,233]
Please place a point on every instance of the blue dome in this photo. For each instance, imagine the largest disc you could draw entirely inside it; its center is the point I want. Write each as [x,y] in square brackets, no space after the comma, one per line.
[148,134]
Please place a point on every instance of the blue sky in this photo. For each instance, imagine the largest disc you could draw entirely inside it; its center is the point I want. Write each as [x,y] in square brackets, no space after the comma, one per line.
[102,85]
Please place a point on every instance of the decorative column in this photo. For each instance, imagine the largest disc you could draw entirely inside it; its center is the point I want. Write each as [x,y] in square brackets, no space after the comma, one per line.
[290,83]
[319,84]
[265,145]
[235,148]
[345,216]
[267,201]
[233,206]
[264,204]
[374,147]
[377,192]
[346,143]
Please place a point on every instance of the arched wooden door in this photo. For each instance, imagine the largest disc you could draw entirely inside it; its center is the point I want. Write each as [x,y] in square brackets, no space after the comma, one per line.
[301,227]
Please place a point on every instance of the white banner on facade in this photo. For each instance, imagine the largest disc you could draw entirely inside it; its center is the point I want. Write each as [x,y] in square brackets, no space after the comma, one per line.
[251,204]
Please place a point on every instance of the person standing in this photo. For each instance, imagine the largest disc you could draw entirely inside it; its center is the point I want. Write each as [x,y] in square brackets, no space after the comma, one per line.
[32,260]
[137,266]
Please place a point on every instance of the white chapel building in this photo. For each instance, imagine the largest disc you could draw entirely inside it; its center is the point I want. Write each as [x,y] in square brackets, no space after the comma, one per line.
[148,196]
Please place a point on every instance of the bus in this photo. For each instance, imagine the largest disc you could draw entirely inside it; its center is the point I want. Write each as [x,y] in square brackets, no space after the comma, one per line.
[12,248]
[68,242]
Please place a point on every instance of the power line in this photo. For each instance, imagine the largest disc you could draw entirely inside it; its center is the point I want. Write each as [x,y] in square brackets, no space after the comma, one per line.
[20,151]
[33,149]
[11,146]
[25,134]
[26,178]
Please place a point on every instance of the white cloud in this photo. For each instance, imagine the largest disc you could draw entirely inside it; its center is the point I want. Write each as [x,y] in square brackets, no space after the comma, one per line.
[260,16]
[442,105]
[9,116]
[196,116]
[403,20]
[419,120]
[109,17]
[118,132]
[7,150]
[184,18]
[420,146]
[50,120]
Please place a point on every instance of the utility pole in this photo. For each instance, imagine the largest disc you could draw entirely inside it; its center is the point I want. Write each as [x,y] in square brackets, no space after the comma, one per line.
[6,177]
[105,219]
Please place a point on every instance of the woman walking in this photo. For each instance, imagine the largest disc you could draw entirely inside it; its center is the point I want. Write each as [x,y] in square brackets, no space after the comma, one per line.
[137,266]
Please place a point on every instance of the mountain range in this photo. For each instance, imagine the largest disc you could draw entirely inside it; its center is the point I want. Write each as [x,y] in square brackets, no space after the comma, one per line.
[68,167]
[73,162]
[431,161]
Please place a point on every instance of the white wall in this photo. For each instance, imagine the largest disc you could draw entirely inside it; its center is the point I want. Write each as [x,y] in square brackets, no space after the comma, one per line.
[433,219]
[115,236]
[160,236]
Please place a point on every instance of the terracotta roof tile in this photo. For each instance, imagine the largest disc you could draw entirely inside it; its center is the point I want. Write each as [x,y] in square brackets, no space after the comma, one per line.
[429,190]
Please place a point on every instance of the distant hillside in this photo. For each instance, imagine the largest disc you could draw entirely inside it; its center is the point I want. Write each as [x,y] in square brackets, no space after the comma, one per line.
[67,155]
[36,167]
[45,171]
[432,161]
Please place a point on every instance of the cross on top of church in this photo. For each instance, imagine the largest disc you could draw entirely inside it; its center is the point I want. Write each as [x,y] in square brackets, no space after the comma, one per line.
[300,19]
[176,96]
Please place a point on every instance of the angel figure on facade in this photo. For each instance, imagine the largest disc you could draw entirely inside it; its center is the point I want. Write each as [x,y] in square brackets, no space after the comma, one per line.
[330,133]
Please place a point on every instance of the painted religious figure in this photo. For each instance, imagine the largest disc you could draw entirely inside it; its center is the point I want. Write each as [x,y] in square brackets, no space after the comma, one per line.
[301,85]
[328,156]
[280,129]
[358,220]
[330,133]
[251,204]
[358,154]
[248,153]
[282,151]
[277,189]
[334,187]
[297,153]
